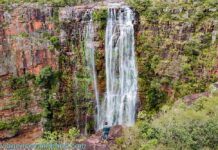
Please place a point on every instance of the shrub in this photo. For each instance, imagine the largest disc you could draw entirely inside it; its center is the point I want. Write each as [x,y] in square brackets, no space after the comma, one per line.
[16,82]
[183,127]
[47,78]
[100,15]
[119,140]
[15,123]
[55,42]
[56,137]
[155,96]
[73,133]
[140,5]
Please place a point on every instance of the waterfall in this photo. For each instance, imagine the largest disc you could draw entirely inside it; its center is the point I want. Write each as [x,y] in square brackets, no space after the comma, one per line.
[90,59]
[121,72]
[119,105]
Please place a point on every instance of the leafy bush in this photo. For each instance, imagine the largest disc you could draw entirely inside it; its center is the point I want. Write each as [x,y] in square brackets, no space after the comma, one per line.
[47,78]
[189,127]
[15,123]
[182,127]
[55,42]
[156,97]
[140,5]
[59,137]
[16,82]
[21,89]
[119,141]
[100,15]
[73,133]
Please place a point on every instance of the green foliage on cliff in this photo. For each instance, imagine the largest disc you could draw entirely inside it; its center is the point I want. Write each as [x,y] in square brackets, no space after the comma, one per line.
[178,10]
[15,123]
[55,42]
[100,19]
[21,90]
[140,5]
[48,79]
[100,15]
[176,49]
[54,2]
[20,98]
[182,127]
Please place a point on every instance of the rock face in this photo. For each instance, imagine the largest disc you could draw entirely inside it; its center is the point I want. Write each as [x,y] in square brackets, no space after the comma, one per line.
[33,36]
[23,46]
[95,141]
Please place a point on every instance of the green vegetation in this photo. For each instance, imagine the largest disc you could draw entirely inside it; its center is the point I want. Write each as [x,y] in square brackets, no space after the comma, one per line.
[24,35]
[100,18]
[21,99]
[100,15]
[73,133]
[54,2]
[59,137]
[47,80]
[21,89]
[176,57]
[156,11]
[15,123]
[182,127]
[175,52]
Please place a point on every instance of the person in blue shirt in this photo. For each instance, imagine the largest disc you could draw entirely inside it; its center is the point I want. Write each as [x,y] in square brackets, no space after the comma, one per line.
[105,131]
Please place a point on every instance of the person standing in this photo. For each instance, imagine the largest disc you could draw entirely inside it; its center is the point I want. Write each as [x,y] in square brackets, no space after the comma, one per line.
[105,131]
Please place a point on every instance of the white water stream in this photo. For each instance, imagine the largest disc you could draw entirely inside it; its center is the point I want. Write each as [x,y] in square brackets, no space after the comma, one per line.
[121,72]
[119,106]
[90,59]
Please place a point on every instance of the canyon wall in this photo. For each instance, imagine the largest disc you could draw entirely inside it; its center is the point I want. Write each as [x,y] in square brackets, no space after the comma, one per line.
[24,49]
[176,48]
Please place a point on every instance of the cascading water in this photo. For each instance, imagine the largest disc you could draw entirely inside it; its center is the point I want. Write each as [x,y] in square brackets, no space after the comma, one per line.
[121,72]
[90,59]
[121,92]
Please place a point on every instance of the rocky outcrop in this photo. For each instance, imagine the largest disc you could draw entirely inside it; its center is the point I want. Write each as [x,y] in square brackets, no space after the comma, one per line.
[95,141]
[192,98]
[28,135]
